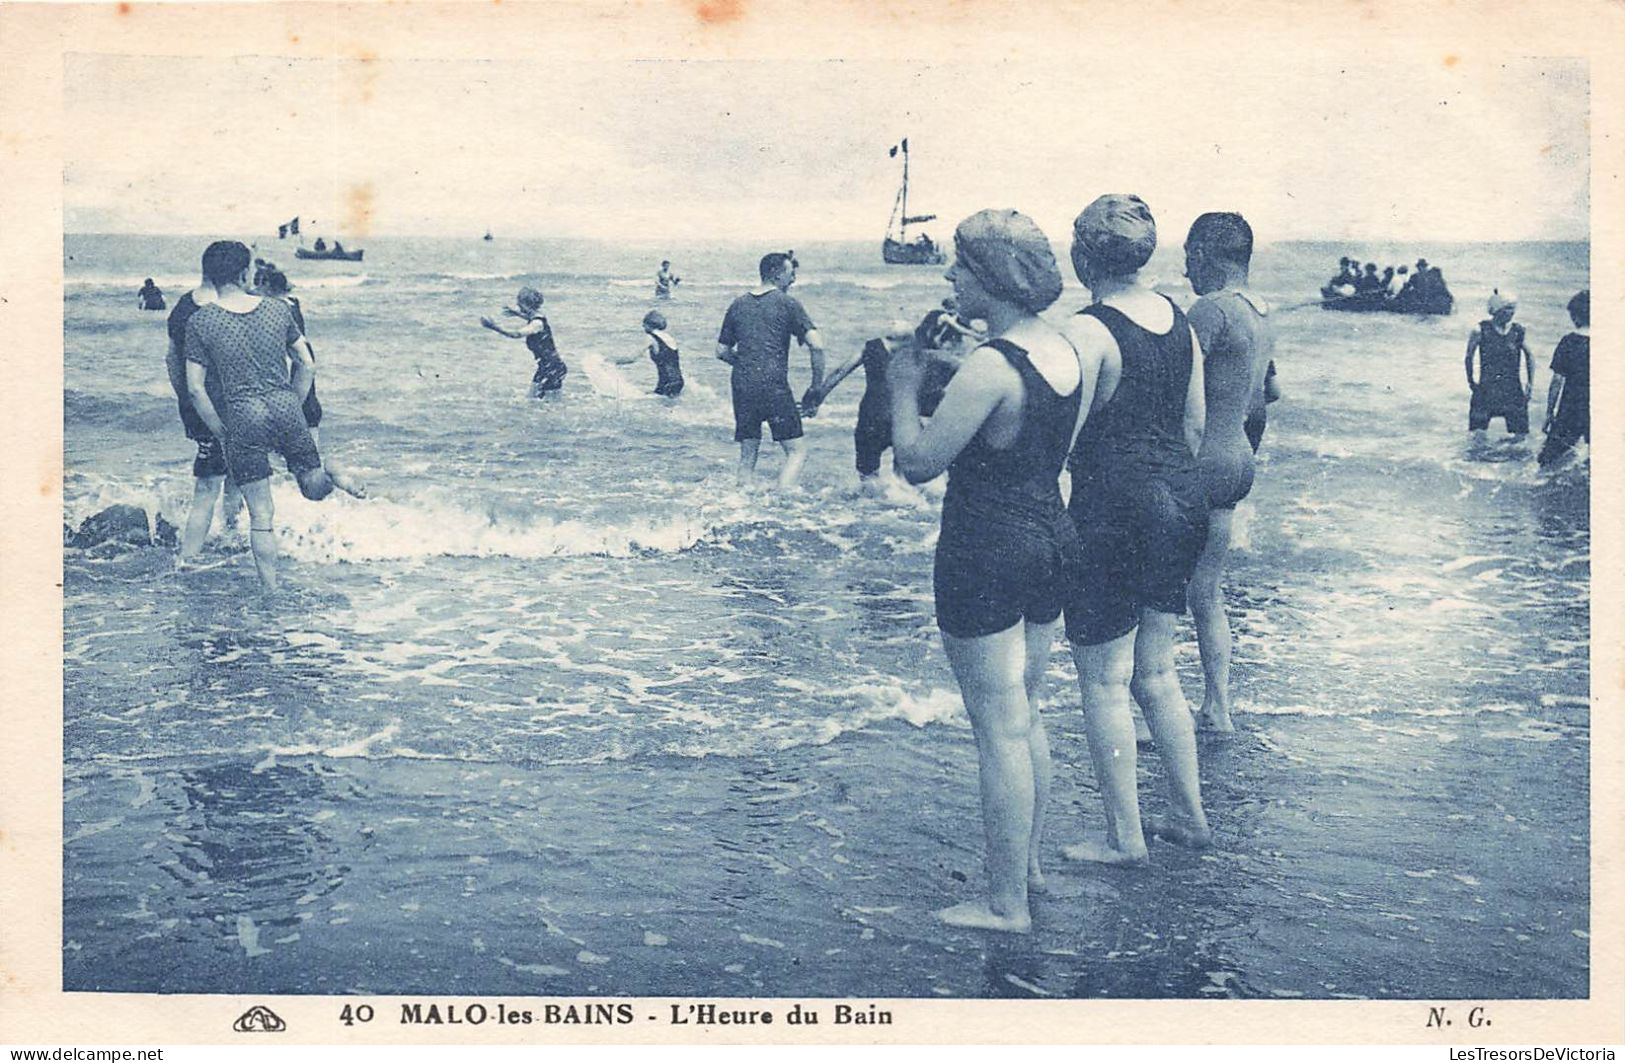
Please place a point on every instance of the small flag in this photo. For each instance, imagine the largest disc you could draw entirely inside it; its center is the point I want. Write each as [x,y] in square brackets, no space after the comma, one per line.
[905,145]
[893,152]
[293,226]
[281,232]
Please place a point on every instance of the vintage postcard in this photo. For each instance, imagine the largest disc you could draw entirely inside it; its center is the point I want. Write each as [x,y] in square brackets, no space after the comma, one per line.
[719,520]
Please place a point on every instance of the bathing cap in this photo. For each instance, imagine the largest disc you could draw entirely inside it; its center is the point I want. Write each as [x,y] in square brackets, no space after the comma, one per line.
[1010,256]
[1116,233]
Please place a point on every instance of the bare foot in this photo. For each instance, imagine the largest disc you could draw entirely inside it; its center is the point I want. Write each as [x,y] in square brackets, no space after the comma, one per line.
[1035,879]
[1215,720]
[1101,853]
[1191,837]
[979,916]
[1142,733]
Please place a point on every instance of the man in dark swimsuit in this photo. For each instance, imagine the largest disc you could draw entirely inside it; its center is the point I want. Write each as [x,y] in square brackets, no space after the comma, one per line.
[247,341]
[1497,390]
[755,341]
[209,479]
[1237,340]
[152,296]
[1568,397]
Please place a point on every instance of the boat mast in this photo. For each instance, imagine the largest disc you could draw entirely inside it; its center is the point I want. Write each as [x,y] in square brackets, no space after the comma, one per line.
[905,191]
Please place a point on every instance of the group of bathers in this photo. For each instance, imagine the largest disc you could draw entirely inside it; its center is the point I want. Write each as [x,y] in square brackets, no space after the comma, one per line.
[1131,534]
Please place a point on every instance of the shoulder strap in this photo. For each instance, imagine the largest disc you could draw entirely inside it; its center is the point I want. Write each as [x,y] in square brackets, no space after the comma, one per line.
[1013,353]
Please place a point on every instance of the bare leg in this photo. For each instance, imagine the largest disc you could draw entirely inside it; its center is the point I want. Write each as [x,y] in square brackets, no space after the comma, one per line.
[1040,640]
[748,450]
[990,672]
[205,489]
[1206,597]
[1156,688]
[261,533]
[1103,680]
[231,503]
[795,455]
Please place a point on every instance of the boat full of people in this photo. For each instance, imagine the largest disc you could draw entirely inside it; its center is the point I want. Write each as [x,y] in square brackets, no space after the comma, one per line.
[323,253]
[1392,291]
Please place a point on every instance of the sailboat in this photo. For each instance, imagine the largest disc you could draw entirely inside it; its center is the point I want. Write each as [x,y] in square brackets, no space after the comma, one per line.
[488,236]
[898,249]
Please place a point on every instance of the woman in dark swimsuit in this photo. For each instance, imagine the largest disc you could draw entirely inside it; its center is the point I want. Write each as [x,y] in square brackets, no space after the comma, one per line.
[1007,554]
[538,337]
[1137,502]
[1233,328]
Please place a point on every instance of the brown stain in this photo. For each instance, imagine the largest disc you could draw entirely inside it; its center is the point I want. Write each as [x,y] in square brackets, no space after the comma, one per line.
[1451,60]
[718,12]
[366,73]
[293,38]
[123,8]
[359,203]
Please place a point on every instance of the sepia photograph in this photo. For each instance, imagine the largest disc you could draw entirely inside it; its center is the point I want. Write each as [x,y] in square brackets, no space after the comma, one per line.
[966,514]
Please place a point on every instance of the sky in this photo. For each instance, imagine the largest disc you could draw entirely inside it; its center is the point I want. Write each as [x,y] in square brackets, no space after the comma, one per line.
[664,150]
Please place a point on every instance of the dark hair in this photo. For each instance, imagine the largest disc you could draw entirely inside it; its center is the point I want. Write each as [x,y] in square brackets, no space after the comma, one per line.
[1580,308]
[1226,234]
[224,261]
[274,281]
[772,263]
[655,320]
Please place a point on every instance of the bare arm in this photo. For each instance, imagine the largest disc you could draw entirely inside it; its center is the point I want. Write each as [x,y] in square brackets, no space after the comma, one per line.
[196,375]
[1195,399]
[725,353]
[1529,371]
[818,395]
[1554,392]
[1472,349]
[923,453]
[304,367]
[527,329]
[815,353]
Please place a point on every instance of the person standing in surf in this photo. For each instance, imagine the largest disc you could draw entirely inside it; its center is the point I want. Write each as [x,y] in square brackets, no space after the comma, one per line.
[755,341]
[1568,396]
[666,280]
[1007,558]
[209,479]
[1139,509]
[662,351]
[1498,391]
[538,336]
[151,296]
[1233,331]
[939,337]
[273,282]
[246,341]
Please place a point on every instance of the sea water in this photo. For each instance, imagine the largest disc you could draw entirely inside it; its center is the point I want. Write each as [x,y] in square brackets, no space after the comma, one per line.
[562,711]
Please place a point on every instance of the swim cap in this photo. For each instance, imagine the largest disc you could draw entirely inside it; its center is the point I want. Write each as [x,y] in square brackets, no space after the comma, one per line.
[1116,233]
[529,298]
[654,320]
[1010,256]
[1500,301]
